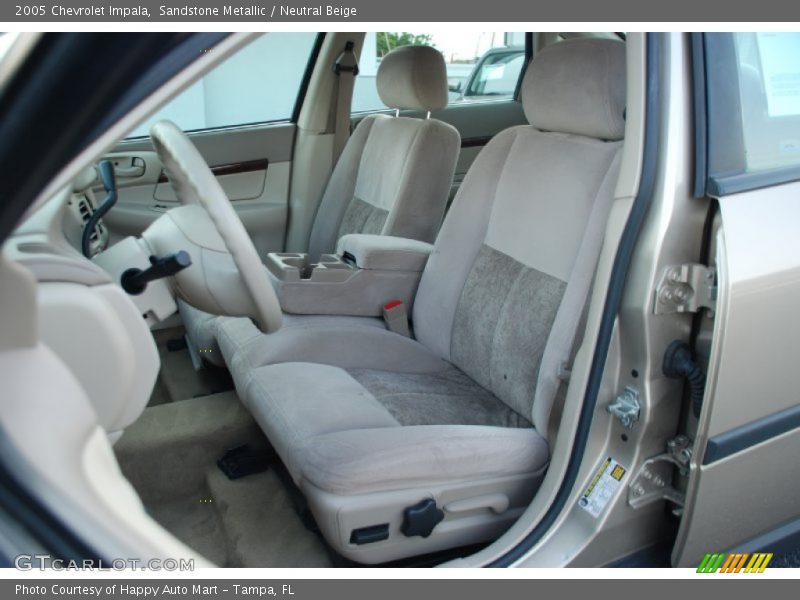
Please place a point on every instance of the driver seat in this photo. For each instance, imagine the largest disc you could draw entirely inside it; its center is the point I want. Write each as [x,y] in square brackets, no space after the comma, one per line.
[393,177]
[404,447]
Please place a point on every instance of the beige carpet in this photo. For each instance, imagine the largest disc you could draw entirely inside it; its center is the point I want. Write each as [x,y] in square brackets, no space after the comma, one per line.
[178,380]
[169,455]
[261,526]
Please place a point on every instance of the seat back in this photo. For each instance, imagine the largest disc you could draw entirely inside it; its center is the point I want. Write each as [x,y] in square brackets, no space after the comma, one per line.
[394,174]
[517,251]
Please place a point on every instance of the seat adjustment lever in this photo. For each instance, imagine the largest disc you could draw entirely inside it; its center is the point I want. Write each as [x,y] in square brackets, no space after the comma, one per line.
[421,518]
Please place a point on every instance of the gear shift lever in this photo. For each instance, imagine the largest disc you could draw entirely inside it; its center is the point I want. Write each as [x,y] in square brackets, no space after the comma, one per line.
[134,281]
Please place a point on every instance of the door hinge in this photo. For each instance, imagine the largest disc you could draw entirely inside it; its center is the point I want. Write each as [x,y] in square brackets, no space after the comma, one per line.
[653,480]
[626,407]
[686,288]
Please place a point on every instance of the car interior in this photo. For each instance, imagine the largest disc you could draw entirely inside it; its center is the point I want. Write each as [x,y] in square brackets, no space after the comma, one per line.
[344,339]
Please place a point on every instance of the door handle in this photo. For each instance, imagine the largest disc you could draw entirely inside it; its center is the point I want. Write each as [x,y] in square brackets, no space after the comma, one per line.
[136,168]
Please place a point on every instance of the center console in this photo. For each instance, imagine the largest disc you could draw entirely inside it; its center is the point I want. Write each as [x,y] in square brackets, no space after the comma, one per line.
[366,272]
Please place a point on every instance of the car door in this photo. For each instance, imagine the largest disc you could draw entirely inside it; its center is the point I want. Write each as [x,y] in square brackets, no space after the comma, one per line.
[241,116]
[741,499]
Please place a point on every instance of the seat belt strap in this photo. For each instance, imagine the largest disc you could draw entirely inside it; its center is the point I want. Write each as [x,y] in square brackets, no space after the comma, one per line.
[346,69]
[556,363]
[565,368]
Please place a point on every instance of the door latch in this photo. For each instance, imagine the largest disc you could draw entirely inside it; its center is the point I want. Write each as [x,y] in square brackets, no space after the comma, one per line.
[686,288]
[626,407]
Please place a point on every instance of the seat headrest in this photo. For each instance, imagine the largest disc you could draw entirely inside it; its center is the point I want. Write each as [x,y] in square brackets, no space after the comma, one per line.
[413,78]
[577,86]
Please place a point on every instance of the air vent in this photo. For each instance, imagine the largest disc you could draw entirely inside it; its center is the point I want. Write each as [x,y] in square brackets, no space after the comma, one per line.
[86,211]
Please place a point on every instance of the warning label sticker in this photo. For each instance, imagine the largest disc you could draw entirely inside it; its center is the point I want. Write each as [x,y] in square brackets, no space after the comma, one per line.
[605,482]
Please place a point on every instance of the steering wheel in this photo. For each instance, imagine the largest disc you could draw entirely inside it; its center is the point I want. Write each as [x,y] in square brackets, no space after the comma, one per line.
[227,275]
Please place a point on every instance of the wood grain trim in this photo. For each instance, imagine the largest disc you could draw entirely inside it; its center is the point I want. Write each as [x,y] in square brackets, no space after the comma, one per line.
[247,166]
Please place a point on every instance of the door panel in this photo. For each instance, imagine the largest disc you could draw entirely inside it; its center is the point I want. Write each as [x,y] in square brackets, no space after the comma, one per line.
[241,181]
[745,473]
[252,164]
[743,485]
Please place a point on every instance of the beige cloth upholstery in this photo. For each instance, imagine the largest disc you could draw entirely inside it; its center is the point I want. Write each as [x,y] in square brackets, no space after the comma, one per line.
[333,433]
[345,342]
[414,78]
[200,330]
[369,460]
[394,175]
[385,252]
[510,266]
[329,400]
[573,87]
[393,178]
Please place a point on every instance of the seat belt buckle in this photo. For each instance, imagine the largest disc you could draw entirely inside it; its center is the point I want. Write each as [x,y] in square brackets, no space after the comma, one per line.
[396,317]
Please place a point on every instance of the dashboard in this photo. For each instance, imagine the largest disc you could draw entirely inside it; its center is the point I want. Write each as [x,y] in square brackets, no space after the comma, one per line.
[82,205]
[101,332]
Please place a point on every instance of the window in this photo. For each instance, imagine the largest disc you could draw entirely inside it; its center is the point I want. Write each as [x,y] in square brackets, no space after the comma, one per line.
[481,66]
[496,74]
[751,108]
[769,91]
[258,84]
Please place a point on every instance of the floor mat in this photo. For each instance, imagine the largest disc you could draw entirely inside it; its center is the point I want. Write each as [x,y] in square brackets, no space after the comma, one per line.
[169,455]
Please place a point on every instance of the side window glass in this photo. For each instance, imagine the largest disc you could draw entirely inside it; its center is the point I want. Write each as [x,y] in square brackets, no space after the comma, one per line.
[769,87]
[496,75]
[258,84]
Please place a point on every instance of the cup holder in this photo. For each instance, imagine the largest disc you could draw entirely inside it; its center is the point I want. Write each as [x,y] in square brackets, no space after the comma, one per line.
[295,267]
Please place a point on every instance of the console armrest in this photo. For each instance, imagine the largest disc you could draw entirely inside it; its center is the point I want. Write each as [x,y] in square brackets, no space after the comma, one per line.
[366,272]
[383,252]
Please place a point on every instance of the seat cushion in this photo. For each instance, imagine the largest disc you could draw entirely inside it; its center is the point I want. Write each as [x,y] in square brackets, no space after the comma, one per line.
[346,342]
[295,402]
[332,432]
[202,329]
[441,398]
[377,460]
